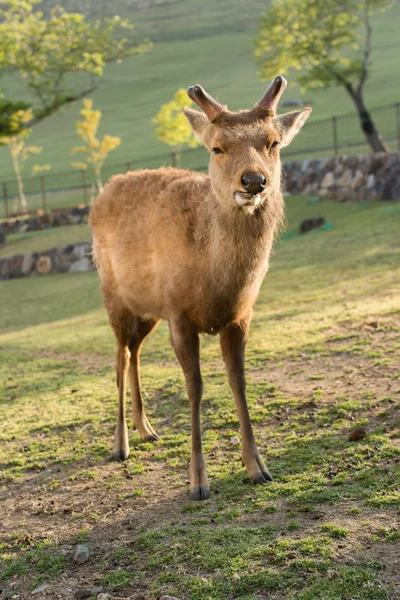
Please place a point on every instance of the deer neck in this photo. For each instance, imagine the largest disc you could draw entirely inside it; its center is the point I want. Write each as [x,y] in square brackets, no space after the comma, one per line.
[240,243]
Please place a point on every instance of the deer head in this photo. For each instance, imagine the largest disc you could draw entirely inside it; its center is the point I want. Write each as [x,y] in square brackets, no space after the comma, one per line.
[245,168]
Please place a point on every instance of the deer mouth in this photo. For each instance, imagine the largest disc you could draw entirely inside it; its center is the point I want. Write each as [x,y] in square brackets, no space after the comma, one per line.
[245,199]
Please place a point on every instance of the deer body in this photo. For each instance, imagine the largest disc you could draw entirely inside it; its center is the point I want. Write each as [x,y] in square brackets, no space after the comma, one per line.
[201,265]
[193,249]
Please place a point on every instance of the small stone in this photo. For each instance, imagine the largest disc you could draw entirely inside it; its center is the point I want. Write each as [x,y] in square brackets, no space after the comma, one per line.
[104,597]
[39,589]
[81,554]
[234,440]
[166,597]
[357,434]
[235,577]
[349,560]
[313,223]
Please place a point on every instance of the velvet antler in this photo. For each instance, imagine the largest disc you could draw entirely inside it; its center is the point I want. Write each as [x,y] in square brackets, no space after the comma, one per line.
[207,103]
[273,94]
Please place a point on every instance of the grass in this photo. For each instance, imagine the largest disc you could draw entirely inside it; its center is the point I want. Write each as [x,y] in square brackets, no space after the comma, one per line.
[212,47]
[322,358]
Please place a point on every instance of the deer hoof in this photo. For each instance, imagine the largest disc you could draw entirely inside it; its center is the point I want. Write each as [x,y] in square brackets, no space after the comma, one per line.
[261,477]
[200,492]
[151,437]
[121,455]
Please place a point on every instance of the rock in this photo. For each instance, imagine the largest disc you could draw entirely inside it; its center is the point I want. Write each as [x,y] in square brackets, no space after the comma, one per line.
[345,179]
[84,264]
[80,251]
[87,593]
[43,265]
[16,265]
[27,264]
[309,224]
[104,597]
[4,268]
[328,180]
[357,434]
[349,560]
[81,554]
[166,597]
[234,440]
[358,180]
[24,227]
[39,589]
[370,182]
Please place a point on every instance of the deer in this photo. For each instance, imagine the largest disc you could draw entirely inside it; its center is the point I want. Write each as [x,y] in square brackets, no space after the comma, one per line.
[193,249]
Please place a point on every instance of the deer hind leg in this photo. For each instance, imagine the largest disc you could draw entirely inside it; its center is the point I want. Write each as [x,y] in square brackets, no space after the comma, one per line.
[185,341]
[233,340]
[141,329]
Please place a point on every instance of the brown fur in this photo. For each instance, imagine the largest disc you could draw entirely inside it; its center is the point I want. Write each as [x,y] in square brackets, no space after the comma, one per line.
[173,244]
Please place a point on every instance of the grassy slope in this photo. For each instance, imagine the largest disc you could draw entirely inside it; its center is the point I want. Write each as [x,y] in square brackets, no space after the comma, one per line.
[38,241]
[323,356]
[211,47]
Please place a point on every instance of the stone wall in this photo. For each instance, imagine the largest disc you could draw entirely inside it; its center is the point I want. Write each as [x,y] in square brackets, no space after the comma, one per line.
[72,258]
[369,177]
[55,218]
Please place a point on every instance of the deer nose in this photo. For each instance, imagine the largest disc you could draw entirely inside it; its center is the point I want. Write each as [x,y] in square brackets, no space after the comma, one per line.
[253,183]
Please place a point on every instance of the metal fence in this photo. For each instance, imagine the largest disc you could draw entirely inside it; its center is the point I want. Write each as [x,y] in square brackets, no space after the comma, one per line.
[319,139]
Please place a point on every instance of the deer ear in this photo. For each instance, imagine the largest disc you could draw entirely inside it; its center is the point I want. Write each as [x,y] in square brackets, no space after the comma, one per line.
[290,124]
[197,121]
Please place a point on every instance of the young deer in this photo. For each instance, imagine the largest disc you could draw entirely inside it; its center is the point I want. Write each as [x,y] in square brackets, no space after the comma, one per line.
[193,249]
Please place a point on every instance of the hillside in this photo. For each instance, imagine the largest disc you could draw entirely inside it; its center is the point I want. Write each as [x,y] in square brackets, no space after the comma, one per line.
[212,47]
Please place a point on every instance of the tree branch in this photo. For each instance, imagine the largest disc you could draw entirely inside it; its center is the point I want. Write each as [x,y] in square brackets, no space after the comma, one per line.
[58,103]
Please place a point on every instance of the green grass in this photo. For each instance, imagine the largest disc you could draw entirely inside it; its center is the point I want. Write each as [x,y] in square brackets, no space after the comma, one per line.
[322,357]
[211,47]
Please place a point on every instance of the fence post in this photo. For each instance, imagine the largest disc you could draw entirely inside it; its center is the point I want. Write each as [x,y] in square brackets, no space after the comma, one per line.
[128,166]
[397,107]
[43,188]
[5,198]
[83,173]
[335,136]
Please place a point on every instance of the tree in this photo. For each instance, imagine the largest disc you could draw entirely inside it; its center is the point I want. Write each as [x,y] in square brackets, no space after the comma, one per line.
[47,49]
[173,128]
[328,42]
[95,151]
[20,152]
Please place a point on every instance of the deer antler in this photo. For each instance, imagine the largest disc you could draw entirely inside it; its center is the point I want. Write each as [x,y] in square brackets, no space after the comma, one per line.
[207,103]
[273,94]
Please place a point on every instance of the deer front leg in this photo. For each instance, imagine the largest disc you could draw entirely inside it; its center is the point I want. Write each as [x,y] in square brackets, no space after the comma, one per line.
[185,341]
[233,340]
[121,440]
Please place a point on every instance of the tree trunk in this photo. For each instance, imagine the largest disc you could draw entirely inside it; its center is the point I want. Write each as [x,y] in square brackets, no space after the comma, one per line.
[21,196]
[176,159]
[99,183]
[367,125]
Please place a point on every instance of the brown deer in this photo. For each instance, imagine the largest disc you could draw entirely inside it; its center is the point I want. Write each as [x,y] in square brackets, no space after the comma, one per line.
[194,249]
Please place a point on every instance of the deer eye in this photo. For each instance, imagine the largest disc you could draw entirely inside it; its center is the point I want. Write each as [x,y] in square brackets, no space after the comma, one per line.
[274,145]
[217,151]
